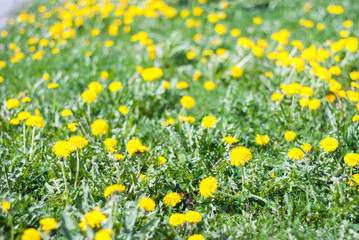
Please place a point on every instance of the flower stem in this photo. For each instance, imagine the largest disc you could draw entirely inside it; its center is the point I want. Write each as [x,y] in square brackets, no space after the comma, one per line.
[54,101]
[64,176]
[77,167]
[351,171]
[243,178]
[89,112]
[32,142]
[114,209]
[24,135]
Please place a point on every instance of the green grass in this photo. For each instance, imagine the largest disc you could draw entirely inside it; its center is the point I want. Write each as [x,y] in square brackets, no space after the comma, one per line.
[314,200]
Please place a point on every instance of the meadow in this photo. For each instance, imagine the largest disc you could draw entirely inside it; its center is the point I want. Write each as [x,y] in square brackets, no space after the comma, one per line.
[180,119]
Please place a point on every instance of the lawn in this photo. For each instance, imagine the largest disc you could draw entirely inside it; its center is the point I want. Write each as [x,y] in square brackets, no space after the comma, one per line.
[180,119]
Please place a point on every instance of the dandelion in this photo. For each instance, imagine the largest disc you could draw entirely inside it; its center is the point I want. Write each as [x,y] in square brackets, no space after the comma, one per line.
[31,234]
[306,147]
[72,127]
[48,224]
[25,100]
[230,140]
[290,135]
[110,144]
[35,121]
[172,199]
[329,144]
[89,96]
[115,86]
[104,234]
[135,145]
[119,156]
[314,104]
[66,113]
[99,127]
[209,122]
[96,87]
[113,188]
[208,186]
[237,71]
[177,219]
[335,9]
[209,85]
[166,85]
[151,74]
[240,156]
[94,218]
[147,204]
[14,121]
[262,140]
[272,175]
[23,115]
[12,103]
[5,206]
[62,149]
[77,142]
[351,159]
[123,110]
[193,217]
[161,160]
[187,102]
[295,154]
[276,97]
[196,237]
[52,85]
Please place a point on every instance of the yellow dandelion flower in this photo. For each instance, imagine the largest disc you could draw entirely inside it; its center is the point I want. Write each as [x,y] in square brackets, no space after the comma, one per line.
[262,140]
[187,102]
[295,153]
[77,142]
[119,156]
[36,121]
[66,113]
[48,224]
[23,115]
[276,97]
[151,74]
[230,140]
[329,144]
[96,87]
[14,121]
[209,85]
[98,127]
[147,204]
[104,234]
[306,147]
[31,234]
[172,198]
[290,135]
[240,156]
[115,86]
[113,188]
[196,237]
[177,219]
[110,144]
[161,160]
[72,127]
[94,218]
[89,96]
[135,145]
[351,159]
[208,186]
[209,122]
[5,206]
[52,85]
[12,103]
[62,149]
[193,217]
[123,110]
